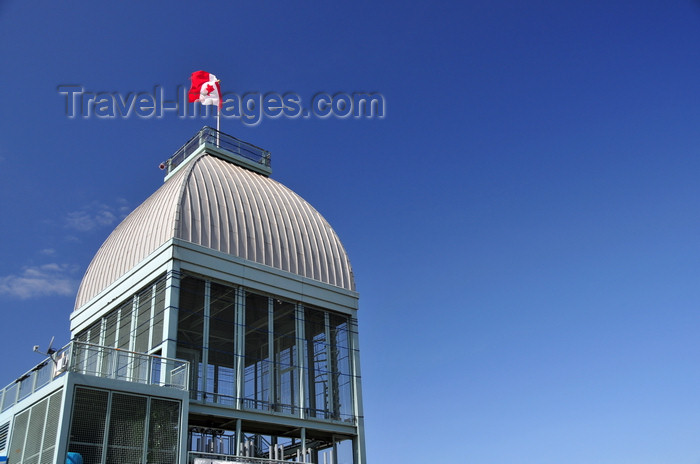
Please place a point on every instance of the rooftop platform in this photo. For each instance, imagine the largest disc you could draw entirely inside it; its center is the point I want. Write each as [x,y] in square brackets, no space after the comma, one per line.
[224,146]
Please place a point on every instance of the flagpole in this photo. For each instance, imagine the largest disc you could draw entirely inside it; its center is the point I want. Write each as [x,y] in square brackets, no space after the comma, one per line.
[218,110]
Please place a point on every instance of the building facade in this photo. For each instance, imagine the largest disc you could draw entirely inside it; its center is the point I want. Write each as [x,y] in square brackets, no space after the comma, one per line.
[218,322]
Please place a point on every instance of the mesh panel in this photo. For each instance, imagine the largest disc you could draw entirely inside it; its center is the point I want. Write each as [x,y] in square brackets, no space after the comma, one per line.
[163,431]
[51,428]
[19,431]
[35,432]
[126,429]
[88,424]
[4,431]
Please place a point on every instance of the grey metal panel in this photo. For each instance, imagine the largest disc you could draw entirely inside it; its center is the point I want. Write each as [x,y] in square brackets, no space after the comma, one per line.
[225,207]
[139,234]
[230,209]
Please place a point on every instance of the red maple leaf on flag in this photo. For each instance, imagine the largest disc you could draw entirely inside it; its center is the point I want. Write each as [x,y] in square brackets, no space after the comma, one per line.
[205,88]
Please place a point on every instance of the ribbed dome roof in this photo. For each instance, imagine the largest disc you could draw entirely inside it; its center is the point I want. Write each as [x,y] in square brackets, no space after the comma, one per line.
[222,206]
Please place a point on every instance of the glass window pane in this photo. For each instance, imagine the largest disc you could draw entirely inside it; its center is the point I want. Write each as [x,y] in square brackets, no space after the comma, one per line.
[109,340]
[94,332]
[316,362]
[340,365]
[285,351]
[92,354]
[257,362]
[125,325]
[143,321]
[190,328]
[158,313]
[222,329]
[111,328]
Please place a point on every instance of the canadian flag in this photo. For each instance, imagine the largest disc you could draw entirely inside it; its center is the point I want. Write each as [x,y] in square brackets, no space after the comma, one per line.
[205,89]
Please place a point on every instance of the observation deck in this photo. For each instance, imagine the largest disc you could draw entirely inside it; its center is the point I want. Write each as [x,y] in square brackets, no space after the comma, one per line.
[222,145]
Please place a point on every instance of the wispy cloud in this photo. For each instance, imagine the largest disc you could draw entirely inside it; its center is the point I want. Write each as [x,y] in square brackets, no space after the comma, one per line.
[96,215]
[85,221]
[38,281]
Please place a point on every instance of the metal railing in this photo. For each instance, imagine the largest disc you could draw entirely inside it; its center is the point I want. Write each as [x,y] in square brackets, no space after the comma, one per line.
[198,457]
[99,361]
[279,408]
[36,378]
[282,408]
[113,363]
[220,140]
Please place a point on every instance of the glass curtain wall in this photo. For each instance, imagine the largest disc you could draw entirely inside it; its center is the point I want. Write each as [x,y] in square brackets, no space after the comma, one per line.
[135,325]
[271,360]
[328,367]
[341,367]
[190,331]
[221,385]
[286,369]
[316,362]
[207,337]
[257,352]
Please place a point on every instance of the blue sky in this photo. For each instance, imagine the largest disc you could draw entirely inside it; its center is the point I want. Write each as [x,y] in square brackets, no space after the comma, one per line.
[523,222]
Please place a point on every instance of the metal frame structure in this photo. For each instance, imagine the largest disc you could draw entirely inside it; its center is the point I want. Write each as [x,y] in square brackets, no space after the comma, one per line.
[129,335]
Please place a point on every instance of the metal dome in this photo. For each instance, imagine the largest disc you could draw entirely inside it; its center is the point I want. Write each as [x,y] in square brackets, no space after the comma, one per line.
[220,205]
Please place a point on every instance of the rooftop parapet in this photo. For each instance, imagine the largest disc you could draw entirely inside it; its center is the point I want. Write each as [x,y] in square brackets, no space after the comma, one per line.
[224,146]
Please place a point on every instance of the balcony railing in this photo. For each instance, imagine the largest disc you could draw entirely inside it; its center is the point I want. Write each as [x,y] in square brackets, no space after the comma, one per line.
[113,363]
[222,141]
[279,408]
[196,457]
[98,361]
[36,378]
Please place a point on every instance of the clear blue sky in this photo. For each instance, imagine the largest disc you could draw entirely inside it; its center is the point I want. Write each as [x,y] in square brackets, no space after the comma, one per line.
[523,224]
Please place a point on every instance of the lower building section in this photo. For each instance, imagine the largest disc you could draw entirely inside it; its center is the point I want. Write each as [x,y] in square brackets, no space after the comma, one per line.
[101,405]
[117,427]
[35,430]
[86,404]
[214,438]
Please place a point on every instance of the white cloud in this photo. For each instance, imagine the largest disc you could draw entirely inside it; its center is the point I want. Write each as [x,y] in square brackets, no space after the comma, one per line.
[96,215]
[38,281]
[123,207]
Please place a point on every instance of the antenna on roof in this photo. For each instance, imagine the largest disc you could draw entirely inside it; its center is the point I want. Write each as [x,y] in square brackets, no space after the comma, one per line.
[49,351]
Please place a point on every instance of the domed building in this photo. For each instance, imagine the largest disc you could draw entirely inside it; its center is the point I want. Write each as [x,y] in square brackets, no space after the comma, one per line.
[217,323]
